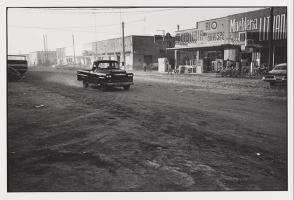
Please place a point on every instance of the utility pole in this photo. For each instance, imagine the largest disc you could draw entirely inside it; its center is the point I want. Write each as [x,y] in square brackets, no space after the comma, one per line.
[270,41]
[144,28]
[163,46]
[123,43]
[44,56]
[73,45]
[46,48]
[96,42]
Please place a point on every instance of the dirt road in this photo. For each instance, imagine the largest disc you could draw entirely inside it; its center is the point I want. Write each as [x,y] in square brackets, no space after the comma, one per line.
[168,133]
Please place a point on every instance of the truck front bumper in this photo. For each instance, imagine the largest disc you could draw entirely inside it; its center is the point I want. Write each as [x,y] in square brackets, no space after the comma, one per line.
[119,83]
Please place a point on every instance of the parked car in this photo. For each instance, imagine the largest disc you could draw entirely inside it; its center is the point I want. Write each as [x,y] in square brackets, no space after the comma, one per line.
[277,75]
[17,65]
[106,73]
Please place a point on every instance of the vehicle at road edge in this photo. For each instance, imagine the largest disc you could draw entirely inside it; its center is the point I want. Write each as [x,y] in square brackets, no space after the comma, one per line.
[106,73]
[277,75]
[16,67]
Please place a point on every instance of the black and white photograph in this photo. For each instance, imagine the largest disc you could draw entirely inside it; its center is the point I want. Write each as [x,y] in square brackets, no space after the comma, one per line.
[126,98]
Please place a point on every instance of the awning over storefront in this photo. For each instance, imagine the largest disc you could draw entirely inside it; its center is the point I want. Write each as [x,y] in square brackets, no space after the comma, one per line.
[218,44]
[202,46]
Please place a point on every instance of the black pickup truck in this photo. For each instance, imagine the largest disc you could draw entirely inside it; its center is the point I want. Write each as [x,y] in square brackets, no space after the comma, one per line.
[106,73]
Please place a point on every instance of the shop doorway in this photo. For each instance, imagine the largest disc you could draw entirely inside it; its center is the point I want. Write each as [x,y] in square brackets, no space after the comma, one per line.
[148,59]
[280,55]
[246,58]
[212,60]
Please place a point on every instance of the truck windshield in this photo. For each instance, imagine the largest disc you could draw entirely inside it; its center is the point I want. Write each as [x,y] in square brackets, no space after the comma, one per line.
[108,65]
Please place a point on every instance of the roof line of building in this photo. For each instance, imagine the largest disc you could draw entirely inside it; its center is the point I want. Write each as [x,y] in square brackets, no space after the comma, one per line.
[235,14]
[222,18]
[42,51]
[212,19]
[251,11]
[121,37]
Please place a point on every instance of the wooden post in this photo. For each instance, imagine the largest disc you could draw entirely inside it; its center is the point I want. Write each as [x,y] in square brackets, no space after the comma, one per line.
[44,55]
[123,43]
[270,40]
[73,45]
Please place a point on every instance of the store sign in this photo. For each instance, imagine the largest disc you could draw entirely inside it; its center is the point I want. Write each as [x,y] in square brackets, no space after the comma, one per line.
[261,25]
[279,27]
[215,36]
[211,25]
[243,25]
[199,35]
[210,32]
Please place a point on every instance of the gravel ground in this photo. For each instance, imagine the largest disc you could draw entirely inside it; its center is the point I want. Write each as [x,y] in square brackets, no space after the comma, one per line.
[168,133]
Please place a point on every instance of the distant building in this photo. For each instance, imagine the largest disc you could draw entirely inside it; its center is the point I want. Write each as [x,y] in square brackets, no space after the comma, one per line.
[39,58]
[139,50]
[66,56]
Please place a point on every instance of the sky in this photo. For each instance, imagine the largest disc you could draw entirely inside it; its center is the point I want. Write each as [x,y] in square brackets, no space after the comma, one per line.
[26,26]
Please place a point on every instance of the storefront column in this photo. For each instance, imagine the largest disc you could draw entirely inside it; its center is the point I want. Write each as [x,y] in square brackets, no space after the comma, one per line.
[274,52]
[176,58]
[197,55]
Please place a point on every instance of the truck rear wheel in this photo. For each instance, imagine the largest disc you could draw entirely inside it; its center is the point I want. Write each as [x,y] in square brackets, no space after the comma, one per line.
[104,87]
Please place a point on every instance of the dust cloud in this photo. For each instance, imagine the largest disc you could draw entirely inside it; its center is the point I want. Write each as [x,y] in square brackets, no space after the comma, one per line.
[60,78]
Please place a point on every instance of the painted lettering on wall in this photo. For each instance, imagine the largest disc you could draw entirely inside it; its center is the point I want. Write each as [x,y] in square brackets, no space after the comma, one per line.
[243,25]
[210,25]
[279,27]
[198,35]
[261,25]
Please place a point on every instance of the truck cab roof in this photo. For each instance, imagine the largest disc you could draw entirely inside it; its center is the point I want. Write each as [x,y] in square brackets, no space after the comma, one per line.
[105,61]
[105,65]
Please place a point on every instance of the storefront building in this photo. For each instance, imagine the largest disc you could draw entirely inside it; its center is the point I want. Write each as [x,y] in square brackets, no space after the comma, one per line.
[251,31]
[242,38]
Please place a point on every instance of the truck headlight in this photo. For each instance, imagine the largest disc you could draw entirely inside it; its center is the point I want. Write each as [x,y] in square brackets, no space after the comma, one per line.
[108,76]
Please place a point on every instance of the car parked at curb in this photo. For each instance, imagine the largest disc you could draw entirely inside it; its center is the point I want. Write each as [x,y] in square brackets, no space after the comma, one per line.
[17,65]
[278,75]
[106,74]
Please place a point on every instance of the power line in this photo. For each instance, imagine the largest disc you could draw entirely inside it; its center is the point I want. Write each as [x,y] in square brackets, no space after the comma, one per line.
[95,11]
[56,29]
[73,28]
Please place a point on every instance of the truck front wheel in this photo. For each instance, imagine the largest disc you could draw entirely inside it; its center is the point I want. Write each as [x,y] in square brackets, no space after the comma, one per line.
[126,87]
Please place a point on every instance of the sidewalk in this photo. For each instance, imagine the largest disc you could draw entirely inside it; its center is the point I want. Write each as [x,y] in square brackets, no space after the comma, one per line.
[173,74]
[209,82]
